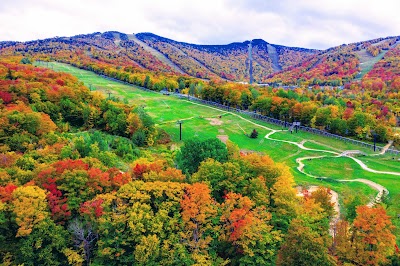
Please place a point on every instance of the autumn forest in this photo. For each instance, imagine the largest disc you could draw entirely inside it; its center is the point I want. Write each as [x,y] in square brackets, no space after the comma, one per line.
[91,179]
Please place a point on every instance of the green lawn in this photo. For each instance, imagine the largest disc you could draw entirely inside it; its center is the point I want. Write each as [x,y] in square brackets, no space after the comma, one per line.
[167,110]
[321,142]
[335,167]
[382,162]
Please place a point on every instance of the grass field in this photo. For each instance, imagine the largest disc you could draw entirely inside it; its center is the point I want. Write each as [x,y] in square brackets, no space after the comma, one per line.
[322,142]
[382,162]
[205,122]
[333,167]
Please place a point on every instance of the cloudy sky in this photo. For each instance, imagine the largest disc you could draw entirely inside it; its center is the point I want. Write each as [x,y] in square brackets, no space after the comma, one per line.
[303,23]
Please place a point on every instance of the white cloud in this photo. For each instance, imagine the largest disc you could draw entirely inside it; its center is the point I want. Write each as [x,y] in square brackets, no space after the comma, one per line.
[304,23]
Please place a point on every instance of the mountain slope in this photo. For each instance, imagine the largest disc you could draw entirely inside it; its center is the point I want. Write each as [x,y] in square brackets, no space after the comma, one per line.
[229,61]
[271,63]
[155,53]
[337,65]
[274,57]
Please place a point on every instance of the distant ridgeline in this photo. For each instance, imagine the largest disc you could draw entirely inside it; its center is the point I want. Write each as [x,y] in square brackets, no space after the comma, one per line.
[272,63]
[202,61]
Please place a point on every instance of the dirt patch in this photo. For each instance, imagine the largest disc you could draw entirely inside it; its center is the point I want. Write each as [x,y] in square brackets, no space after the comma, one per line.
[243,151]
[221,131]
[223,138]
[174,147]
[215,121]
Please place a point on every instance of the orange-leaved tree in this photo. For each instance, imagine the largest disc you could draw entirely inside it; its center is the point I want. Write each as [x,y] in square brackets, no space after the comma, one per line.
[198,210]
[369,241]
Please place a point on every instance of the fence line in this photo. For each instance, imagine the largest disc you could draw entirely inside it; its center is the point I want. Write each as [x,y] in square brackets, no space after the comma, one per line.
[272,120]
[264,118]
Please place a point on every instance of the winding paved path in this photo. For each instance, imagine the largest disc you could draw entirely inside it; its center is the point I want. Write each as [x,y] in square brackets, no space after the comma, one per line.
[381,189]
[387,146]
[374,185]
[366,168]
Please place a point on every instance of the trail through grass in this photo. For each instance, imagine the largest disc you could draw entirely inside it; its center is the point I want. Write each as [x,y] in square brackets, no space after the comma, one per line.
[167,110]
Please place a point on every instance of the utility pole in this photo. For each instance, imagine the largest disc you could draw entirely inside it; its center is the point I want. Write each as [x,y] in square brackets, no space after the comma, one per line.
[109,94]
[180,129]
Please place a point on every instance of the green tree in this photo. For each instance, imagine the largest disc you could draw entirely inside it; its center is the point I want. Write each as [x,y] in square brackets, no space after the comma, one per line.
[222,177]
[147,82]
[192,89]
[181,85]
[44,246]
[246,100]
[199,88]
[359,124]
[141,225]
[322,117]
[8,230]
[26,61]
[381,133]
[338,126]
[303,246]
[195,151]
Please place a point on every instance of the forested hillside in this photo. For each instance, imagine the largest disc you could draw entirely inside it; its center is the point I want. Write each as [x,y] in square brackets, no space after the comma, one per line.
[275,64]
[89,180]
[228,61]
[341,65]
[362,107]
[203,61]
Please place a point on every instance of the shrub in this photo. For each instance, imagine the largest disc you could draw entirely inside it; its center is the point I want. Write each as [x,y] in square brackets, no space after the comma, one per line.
[254,134]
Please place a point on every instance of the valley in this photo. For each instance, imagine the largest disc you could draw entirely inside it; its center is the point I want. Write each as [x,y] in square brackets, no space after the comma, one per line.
[120,149]
[167,110]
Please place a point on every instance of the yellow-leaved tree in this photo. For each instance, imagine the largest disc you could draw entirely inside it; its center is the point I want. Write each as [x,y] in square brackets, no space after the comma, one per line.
[30,208]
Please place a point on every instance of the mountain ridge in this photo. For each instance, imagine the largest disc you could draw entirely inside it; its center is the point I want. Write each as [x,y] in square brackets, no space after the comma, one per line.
[272,63]
[246,42]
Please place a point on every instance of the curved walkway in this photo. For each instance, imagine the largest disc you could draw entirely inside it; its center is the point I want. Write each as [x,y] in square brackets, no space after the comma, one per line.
[381,189]
[387,146]
[366,168]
